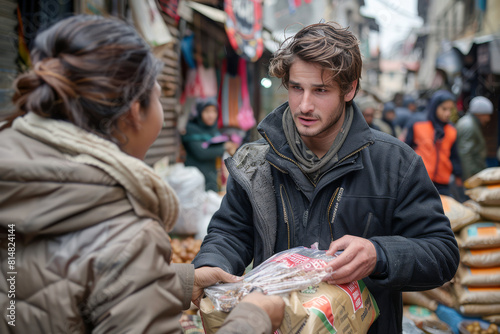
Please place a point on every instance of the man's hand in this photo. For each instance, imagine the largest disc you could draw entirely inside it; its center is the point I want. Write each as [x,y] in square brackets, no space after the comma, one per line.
[274,306]
[207,276]
[357,261]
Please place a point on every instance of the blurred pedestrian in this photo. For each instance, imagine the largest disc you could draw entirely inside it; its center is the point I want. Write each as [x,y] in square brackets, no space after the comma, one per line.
[368,106]
[435,141]
[471,142]
[386,123]
[404,112]
[418,114]
[88,218]
[204,144]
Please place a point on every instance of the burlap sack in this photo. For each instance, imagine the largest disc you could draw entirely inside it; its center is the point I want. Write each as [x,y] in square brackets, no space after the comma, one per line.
[475,310]
[494,318]
[485,195]
[486,176]
[442,295]
[477,295]
[478,276]
[480,258]
[480,235]
[458,214]
[419,299]
[322,309]
[486,212]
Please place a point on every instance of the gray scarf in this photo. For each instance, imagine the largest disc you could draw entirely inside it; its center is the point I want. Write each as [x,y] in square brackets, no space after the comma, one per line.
[309,162]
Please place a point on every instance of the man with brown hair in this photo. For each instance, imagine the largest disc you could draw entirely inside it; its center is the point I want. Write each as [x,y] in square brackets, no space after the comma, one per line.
[320,174]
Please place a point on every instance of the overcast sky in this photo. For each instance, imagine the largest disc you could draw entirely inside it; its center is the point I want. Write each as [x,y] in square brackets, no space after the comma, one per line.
[395,17]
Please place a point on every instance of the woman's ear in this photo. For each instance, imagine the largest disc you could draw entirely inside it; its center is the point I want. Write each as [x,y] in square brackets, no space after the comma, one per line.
[132,119]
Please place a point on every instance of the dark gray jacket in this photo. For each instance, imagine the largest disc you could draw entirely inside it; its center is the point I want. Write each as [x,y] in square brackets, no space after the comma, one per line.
[379,189]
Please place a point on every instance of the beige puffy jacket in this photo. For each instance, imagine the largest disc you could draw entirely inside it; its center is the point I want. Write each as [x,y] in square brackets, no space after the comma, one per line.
[91,255]
[87,256]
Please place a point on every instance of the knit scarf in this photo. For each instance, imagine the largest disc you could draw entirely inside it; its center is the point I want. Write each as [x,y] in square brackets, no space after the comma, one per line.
[306,158]
[138,179]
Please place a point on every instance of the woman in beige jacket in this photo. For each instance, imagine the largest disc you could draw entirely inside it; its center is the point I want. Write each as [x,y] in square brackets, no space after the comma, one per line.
[83,221]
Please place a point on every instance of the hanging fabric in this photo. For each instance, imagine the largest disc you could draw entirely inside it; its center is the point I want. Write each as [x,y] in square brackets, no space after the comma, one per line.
[170,7]
[221,96]
[246,119]
[187,47]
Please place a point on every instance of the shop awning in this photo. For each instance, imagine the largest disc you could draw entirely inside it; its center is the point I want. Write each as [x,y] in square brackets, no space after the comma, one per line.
[212,13]
[465,44]
[271,41]
[492,51]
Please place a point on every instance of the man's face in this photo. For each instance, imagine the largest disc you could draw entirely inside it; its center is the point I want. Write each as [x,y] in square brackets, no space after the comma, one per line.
[317,107]
[484,119]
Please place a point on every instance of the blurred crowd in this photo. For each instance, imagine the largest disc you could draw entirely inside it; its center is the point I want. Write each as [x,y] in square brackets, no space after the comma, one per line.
[450,141]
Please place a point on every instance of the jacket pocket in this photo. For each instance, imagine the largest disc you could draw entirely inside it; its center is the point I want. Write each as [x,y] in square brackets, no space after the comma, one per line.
[371,226]
[287,214]
[369,219]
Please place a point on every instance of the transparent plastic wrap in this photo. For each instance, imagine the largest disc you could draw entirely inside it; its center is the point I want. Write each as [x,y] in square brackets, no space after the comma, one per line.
[294,269]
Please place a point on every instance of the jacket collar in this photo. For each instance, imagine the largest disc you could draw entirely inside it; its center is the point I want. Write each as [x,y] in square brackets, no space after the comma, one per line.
[271,128]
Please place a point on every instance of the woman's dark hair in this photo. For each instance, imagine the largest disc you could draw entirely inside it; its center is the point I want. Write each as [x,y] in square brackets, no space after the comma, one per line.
[87,70]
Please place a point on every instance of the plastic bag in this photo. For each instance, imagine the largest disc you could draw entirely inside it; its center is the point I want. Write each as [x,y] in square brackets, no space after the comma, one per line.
[293,269]
[212,204]
[189,186]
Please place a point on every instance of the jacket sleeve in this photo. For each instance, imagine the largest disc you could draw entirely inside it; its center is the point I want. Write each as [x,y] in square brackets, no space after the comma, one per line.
[229,242]
[246,318]
[135,289]
[421,251]
[211,152]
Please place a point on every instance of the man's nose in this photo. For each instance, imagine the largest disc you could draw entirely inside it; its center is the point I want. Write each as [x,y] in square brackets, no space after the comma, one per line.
[306,104]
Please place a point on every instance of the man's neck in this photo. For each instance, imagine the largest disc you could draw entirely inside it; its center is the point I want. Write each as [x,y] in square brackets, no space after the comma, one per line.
[321,143]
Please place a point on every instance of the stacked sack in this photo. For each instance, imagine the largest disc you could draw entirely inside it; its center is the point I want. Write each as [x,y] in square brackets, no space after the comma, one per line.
[477,283]
[420,306]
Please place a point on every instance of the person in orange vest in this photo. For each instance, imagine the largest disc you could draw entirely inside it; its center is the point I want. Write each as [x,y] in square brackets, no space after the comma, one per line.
[435,140]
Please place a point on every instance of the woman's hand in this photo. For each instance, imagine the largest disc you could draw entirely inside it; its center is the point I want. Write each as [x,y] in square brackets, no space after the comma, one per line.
[274,306]
[207,276]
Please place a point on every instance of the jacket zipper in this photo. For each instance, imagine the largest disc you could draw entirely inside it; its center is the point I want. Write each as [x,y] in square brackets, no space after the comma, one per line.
[287,158]
[281,170]
[285,214]
[332,200]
